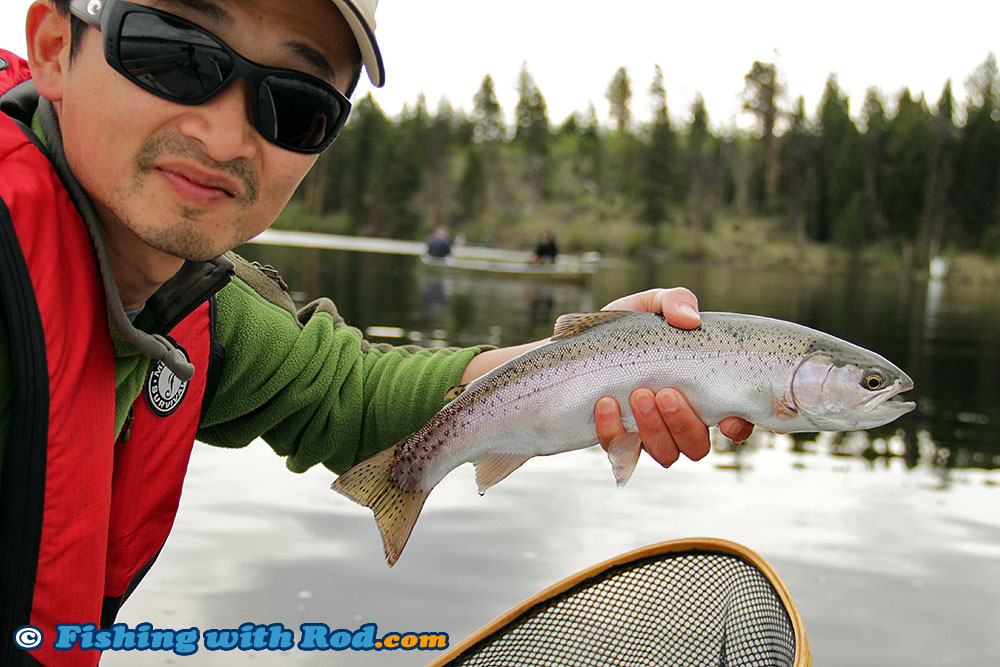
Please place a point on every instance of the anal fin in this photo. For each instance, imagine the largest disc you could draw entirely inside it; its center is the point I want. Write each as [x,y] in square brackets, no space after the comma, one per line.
[623,452]
[492,468]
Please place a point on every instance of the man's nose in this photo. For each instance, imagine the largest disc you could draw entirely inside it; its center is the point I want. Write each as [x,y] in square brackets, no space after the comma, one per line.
[224,124]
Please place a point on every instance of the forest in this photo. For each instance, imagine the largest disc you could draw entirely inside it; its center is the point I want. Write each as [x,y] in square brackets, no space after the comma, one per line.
[917,178]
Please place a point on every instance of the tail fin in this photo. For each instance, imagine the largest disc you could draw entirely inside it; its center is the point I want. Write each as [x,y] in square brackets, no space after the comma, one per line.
[370,483]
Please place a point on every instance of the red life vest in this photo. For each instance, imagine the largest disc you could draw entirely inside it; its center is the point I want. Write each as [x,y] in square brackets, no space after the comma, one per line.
[81,515]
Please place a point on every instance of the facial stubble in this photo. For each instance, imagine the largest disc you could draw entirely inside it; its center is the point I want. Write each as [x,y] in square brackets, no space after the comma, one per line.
[181,232]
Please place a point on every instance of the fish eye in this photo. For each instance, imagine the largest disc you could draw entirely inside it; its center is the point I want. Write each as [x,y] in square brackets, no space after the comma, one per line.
[873,382]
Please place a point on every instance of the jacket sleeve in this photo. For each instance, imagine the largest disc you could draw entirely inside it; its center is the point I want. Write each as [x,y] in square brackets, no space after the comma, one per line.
[311,386]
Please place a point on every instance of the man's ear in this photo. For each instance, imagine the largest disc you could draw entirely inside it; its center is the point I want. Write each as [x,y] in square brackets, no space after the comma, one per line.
[48,34]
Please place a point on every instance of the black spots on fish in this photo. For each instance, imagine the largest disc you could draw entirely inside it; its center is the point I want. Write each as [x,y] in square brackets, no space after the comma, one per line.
[740,338]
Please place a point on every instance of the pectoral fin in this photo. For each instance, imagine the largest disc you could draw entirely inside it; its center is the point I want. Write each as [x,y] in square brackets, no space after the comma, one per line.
[454,392]
[784,407]
[623,452]
[494,467]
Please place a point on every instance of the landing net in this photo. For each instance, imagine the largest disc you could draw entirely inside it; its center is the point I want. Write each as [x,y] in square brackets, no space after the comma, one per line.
[692,607]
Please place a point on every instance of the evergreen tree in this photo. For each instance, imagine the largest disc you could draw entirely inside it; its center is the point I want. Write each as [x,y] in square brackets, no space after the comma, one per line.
[909,147]
[487,117]
[623,151]
[658,157]
[939,182]
[977,154]
[798,180]
[314,186]
[760,97]
[873,206]
[619,97]
[532,131]
[591,152]
[702,186]
[443,137]
[531,114]
[406,164]
[571,126]
[472,187]
[488,131]
[363,146]
[698,132]
[840,170]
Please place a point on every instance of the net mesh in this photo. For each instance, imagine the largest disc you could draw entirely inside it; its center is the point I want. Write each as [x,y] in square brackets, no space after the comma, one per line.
[691,608]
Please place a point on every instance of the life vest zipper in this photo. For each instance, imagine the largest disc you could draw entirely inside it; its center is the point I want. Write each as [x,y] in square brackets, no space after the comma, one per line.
[127,428]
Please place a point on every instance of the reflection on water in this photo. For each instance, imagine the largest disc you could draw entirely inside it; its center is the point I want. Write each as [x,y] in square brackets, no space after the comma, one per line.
[943,335]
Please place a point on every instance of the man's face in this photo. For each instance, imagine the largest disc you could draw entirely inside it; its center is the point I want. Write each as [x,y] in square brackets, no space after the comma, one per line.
[195,181]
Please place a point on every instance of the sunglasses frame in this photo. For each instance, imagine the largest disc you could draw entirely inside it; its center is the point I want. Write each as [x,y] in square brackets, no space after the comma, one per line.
[109,17]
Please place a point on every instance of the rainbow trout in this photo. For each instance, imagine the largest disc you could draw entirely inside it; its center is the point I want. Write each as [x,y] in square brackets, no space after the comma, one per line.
[778,375]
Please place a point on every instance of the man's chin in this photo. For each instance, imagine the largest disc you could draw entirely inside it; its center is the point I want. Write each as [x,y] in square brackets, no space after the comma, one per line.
[190,250]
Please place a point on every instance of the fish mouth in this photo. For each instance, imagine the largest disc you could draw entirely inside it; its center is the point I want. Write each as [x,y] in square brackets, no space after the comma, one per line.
[890,400]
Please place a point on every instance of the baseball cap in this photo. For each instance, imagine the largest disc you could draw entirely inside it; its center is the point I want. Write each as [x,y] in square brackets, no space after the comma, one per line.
[360,16]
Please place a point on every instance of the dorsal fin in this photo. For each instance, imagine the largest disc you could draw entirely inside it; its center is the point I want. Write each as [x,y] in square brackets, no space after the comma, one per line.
[573,323]
[454,392]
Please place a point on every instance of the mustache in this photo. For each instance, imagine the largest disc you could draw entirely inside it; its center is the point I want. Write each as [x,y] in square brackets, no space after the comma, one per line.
[171,144]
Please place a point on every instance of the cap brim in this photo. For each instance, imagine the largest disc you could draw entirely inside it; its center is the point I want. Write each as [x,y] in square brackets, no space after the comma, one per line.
[371,56]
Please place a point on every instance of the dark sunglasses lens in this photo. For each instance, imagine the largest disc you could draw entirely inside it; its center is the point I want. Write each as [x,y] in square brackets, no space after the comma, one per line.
[171,59]
[298,114]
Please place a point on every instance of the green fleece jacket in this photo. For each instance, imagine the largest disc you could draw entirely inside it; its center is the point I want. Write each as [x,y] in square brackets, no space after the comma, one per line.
[307,383]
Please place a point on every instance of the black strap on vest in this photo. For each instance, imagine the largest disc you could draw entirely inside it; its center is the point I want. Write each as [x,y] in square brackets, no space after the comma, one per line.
[216,361]
[111,605]
[22,476]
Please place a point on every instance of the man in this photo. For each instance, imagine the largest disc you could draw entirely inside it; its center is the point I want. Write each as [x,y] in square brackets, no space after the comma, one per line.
[439,243]
[146,142]
[545,249]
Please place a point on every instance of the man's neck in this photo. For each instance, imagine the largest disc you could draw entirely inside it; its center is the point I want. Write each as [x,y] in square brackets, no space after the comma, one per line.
[139,269]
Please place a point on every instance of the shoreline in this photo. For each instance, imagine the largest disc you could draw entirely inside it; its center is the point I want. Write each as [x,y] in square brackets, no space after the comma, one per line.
[962,267]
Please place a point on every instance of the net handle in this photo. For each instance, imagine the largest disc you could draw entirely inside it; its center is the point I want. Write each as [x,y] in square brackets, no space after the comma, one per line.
[803,655]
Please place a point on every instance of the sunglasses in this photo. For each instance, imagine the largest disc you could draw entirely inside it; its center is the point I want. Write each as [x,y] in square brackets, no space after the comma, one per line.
[182,62]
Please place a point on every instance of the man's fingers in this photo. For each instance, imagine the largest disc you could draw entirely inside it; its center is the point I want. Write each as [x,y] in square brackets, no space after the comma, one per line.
[678,305]
[736,429]
[656,437]
[668,425]
[687,429]
[607,416]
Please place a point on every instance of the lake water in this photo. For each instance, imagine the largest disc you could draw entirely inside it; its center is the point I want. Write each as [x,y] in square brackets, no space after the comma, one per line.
[889,542]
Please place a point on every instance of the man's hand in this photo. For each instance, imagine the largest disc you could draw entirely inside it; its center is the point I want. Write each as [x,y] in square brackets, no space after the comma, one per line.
[667,425]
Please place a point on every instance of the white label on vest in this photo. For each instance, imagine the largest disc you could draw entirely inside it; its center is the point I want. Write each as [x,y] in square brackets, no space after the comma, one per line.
[164,390]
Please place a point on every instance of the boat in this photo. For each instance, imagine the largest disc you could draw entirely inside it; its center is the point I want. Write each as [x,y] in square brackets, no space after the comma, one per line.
[470,260]
[564,269]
